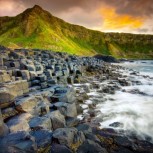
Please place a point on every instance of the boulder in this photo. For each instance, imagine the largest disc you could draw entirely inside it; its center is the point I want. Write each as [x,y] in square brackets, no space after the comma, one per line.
[57,119]
[44,108]
[18,87]
[70,80]
[72,121]
[42,78]
[51,82]
[26,104]
[69,137]
[44,85]
[3,127]
[43,140]
[19,142]
[31,68]
[19,123]
[6,97]
[5,78]
[9,112]
[33,75]
[91,136]
[71,110]
[84,128]
[58,148]
[40,123]
[39,69]
[64,95]
[90,146]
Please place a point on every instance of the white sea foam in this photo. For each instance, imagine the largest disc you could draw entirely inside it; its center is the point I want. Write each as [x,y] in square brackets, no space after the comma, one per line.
[133,110]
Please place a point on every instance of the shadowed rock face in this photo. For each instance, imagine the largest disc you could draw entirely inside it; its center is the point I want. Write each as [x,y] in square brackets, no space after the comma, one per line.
[42,96]
[109,59]
[3,128]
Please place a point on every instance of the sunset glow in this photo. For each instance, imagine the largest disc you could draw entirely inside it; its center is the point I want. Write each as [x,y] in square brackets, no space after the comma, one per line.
[129,16]
[113,21]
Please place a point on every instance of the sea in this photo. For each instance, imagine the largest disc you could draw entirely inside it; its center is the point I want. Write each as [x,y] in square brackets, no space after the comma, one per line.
[134,111]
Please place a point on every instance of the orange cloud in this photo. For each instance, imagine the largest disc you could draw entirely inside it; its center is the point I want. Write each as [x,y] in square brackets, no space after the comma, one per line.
[113,21]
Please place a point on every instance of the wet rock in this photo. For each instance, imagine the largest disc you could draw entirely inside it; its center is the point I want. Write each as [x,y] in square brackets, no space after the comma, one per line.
[19,142]
[79,109]
[66,109]
[84,128]
[82,97]
[64,95]
[58,148]
[122,150]
[72,121]
[136,91]
[123,141]
[70,137]
[93,113]
[43,139]
[142,146]
[65,136]
[91,136]
[90,146]
[116,124]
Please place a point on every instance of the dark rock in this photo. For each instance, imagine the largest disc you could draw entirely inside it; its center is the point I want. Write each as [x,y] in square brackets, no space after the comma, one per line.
[84,128]
[109,59]
[116,124]
[40,123]
[3,127]
[122,150]
[19,142]
[19,123]
[57,119]
[43,139]
[70,137]
[91,147]
[58,148]
[72,121]
[123,141]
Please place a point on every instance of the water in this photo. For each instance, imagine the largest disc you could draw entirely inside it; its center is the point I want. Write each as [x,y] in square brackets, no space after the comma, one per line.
[134,111]
[144,67]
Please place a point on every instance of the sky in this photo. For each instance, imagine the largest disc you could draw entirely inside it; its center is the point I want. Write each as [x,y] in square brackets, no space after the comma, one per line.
[130,16]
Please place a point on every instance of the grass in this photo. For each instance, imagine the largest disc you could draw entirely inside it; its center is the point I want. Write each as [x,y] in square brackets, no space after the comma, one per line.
[36,28]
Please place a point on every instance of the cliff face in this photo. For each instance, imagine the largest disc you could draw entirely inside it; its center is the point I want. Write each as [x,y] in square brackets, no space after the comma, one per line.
[37,28]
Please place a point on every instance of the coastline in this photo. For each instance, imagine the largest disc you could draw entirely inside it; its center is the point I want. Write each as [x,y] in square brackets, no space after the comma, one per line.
[52,89]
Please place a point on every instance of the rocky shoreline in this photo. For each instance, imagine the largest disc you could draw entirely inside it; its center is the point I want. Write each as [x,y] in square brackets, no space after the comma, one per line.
[46,106]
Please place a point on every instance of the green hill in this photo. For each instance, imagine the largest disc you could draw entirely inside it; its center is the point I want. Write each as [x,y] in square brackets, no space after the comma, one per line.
[37,28]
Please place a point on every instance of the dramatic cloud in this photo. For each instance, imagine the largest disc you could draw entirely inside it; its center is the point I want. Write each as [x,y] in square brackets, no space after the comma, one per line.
[11,7]
[114,21]
[106,15]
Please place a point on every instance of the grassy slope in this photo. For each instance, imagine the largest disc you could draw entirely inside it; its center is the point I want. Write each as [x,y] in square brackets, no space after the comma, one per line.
[36,28]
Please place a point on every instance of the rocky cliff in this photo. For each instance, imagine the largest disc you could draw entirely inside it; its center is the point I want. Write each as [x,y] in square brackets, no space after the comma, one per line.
[37,28]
